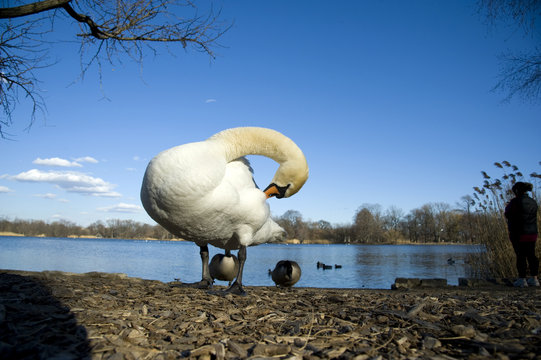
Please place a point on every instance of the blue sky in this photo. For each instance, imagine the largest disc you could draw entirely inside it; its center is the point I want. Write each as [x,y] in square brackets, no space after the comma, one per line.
[390,101]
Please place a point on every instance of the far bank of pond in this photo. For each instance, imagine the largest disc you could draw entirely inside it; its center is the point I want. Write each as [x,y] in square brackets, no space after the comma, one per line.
[288,241]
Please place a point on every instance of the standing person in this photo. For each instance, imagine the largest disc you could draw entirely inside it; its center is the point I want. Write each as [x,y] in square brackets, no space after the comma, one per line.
[521,214]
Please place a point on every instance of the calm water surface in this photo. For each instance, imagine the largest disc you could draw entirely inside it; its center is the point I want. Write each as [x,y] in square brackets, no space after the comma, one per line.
[363,266]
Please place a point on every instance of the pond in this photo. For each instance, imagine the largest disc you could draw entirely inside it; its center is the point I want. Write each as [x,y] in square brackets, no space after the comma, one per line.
[362,266]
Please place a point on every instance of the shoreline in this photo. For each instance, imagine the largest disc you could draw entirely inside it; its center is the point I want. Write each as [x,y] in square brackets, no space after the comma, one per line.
[101,315]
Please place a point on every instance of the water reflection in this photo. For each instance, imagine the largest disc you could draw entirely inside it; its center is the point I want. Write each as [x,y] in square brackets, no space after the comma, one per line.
[381,264]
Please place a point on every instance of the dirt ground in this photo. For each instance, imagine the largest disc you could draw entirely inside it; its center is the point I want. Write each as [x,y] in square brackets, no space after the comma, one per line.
[54,315]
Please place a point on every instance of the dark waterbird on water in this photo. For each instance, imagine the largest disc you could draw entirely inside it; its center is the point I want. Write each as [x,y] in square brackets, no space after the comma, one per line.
[323,266]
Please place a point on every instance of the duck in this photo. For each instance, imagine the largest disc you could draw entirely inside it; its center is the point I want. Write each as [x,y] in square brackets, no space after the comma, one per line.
[286,273]
[224,267]
[204,192]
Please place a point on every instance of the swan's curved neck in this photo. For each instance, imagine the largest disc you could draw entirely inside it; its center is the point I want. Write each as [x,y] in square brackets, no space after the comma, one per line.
[243,141]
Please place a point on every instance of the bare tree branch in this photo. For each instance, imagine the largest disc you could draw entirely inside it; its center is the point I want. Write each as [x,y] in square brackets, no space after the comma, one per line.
[31,9]
[95,30]
[521,13]
[520,74]
[20,56]
[109,31]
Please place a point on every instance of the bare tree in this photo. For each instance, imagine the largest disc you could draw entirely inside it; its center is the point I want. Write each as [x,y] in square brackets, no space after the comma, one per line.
[368,225]
[109,31]
[293,224]
[521,73]
[392,218]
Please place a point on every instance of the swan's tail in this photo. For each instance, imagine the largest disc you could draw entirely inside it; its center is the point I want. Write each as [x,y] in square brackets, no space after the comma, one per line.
[270,232]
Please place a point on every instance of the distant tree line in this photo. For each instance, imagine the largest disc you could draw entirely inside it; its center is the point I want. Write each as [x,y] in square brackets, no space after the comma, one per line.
[371,225]
[114,228]
[431,223]
[477,219]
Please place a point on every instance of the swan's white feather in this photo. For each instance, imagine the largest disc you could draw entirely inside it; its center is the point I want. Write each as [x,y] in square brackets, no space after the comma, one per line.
[197,195]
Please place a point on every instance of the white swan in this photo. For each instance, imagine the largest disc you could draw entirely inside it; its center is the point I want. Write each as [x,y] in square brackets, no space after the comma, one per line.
[286,273]
[204,191]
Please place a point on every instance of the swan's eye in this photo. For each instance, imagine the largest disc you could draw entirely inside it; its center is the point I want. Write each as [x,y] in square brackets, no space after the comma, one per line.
[281,191]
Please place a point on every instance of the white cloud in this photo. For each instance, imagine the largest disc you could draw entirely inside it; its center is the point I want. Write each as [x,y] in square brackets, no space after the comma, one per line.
[208,101]
[59,162]
[56,162]
[87,159]
[51,196]
[71,181]
[122,208]
[46,196]
[5,189]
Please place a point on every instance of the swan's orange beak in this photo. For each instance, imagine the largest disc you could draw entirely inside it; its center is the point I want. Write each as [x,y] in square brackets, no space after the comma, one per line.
[271,190]
[275,190]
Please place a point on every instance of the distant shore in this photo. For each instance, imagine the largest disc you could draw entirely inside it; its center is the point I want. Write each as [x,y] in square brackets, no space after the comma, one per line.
[7,233]
[289,241]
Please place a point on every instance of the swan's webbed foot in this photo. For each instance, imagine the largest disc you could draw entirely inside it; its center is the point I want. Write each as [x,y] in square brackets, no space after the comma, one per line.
[236,289]
[203,284]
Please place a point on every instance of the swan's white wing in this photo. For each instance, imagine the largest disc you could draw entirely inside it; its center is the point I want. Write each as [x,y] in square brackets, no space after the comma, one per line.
[176,189]
[195,194]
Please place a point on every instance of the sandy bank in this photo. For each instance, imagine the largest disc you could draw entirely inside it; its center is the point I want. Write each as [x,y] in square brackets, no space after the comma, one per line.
[8,233]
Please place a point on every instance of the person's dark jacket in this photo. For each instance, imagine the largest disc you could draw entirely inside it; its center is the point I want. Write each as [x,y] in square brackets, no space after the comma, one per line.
[521,214]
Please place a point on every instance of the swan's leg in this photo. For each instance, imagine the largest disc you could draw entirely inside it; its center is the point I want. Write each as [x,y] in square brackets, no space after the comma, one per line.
[206,281]
[204,252]
[236,288]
